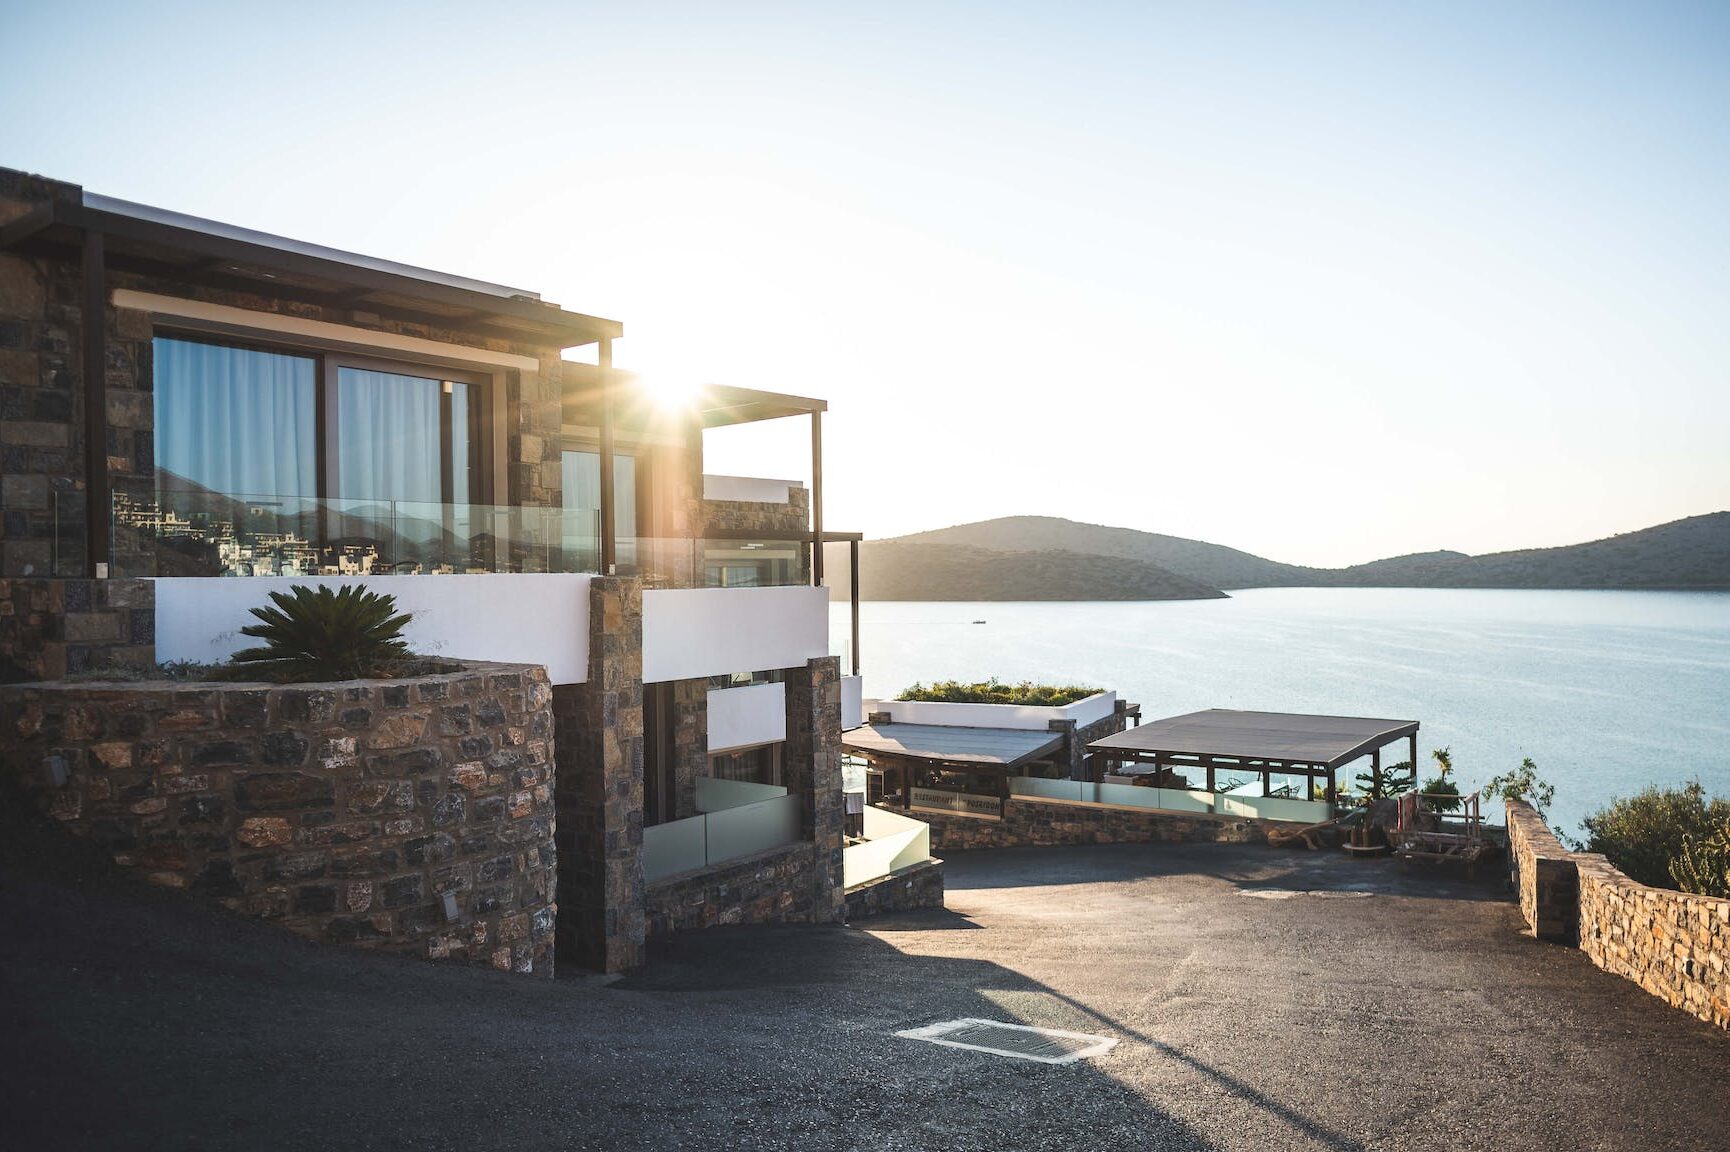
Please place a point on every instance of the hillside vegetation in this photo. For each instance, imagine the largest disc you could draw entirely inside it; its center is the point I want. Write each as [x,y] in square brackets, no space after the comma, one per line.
[1048,558]
[891,570]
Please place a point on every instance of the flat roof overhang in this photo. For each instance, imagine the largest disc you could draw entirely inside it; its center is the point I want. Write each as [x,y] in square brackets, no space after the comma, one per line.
[175,247]
[1283,737]
[1003,749]
[588,387]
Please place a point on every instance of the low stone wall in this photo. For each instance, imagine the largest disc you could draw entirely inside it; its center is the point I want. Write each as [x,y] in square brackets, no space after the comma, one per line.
[412,815]
[1546,875]
[1028,822]
[1675,945]
[783,886]
[919,886]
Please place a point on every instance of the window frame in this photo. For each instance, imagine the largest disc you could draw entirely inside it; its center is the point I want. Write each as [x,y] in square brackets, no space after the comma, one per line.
[328,363]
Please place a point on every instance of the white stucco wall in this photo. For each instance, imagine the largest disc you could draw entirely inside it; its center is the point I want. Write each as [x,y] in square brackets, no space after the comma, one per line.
[1083,712]
[527,618]
[743,717]
[690,632]
[852,702]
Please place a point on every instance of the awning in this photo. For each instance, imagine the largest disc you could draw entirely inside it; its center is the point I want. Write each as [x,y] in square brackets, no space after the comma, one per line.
[1003,748]
[1286,737]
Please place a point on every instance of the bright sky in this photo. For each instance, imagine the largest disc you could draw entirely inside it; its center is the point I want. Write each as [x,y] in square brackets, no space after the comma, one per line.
[1324,281]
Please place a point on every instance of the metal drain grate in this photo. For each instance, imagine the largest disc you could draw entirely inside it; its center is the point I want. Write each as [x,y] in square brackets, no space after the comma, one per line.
[1290,893]
[1046,1045]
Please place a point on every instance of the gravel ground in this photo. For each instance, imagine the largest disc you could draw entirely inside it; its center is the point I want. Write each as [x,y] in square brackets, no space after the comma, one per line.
[1415,1018]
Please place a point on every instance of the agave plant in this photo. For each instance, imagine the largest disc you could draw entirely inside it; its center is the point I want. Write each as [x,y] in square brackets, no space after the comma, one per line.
[320,634]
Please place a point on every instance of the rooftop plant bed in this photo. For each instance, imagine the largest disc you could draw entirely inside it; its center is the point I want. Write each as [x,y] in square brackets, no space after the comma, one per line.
[995,691]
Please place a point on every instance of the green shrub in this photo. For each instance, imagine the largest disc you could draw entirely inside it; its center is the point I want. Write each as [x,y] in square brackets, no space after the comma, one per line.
[317,634]
[1440,793]
[1703,864]
[1642,834]
[1379,784]
[994,691]
[1523,783]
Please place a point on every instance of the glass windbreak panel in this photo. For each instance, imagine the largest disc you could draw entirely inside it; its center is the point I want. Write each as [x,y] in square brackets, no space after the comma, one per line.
[389,436]
[233,421]
[753,563]
[580,472]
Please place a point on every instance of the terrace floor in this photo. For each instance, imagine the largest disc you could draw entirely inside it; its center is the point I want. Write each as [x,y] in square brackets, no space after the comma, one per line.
[1417,1018]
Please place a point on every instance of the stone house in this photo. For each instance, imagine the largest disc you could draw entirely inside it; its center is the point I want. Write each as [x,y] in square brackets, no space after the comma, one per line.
[193,414]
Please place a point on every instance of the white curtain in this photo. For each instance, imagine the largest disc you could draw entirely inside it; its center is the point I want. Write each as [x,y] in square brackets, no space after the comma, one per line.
[387,437]
[235,421]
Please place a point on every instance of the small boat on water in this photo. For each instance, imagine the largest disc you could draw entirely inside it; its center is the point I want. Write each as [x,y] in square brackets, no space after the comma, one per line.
[979,621]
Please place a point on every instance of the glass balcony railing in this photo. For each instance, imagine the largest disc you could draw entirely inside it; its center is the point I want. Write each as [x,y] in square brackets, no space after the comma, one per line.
[217,534]
[204,533]
[665,562]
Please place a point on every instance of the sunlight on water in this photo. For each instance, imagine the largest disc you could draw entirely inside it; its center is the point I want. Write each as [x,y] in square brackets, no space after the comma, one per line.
[1607,691]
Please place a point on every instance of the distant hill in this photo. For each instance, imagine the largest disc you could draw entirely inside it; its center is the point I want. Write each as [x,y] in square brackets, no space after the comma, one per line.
[917,570]
[1213,565]
[1683,554]
[1065,560]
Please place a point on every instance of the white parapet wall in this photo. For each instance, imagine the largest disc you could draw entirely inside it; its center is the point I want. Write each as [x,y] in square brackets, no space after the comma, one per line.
[1089,710]
[748,716]
[749,489]
[517,618]
[852,702]
[692,632]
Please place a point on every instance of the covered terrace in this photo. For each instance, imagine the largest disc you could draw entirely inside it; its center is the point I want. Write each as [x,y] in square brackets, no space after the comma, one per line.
[1223,740]
[946,768]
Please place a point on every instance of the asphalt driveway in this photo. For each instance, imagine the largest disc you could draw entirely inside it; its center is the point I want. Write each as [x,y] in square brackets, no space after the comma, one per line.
[1296,1016]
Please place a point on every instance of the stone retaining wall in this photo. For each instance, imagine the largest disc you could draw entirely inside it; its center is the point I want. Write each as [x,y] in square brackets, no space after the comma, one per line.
[1675,945]
[918,886]
[781,886]
[1042,823]
[412,815]
[1546,875]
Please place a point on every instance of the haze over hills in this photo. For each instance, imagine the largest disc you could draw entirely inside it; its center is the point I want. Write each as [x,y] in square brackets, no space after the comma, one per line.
[1049,558]
[934,570]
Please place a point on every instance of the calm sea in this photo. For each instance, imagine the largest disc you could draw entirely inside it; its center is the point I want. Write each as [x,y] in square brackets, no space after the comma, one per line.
[1606,691]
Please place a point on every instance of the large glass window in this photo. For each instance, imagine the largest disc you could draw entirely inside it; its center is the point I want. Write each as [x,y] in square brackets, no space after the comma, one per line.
[235,421]
[401,438]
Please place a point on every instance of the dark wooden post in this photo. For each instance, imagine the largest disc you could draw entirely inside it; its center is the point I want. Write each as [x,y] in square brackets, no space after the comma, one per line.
[98,515]
[609,524]
[1414,748]
[1333,785]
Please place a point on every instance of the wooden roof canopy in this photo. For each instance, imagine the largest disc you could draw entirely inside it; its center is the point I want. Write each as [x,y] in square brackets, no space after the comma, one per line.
[1294,738]
[155,242]
[1002,749]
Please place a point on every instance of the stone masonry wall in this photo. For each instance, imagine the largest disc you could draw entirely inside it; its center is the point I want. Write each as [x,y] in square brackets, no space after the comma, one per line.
[411,815]
[1042,823]
[769,888]
[598,729]
[792,519]
[49,628]
[1546,875]
[920,886]
[41,429]
[812,763]
[1675,945]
